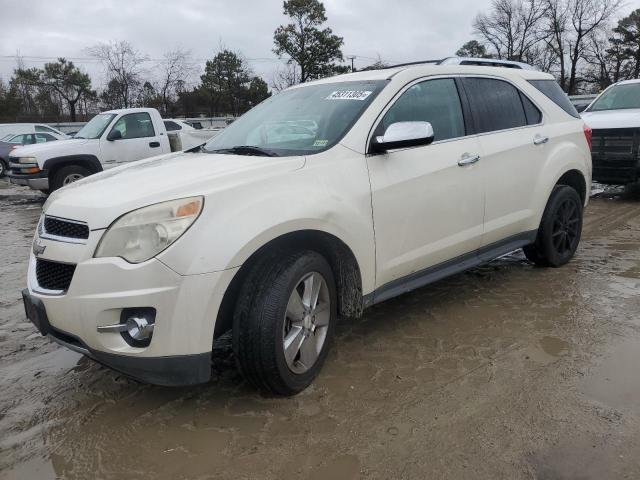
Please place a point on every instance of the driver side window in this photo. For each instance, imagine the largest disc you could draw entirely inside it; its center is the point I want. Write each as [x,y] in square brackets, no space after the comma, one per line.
[433,101]
[135,125]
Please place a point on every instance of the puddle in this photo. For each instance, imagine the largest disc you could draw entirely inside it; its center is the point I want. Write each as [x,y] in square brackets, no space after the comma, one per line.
[554,346]
[615,382]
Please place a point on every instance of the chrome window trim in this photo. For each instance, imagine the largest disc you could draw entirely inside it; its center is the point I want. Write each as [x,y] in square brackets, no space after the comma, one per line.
[405,87]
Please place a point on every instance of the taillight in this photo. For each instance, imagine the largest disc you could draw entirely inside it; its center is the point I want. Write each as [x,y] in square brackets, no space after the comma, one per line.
[14,147]
[587,135]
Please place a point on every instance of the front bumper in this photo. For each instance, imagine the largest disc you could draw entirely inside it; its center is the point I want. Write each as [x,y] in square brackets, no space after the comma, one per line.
[186,309]
[176,370]
[36,181]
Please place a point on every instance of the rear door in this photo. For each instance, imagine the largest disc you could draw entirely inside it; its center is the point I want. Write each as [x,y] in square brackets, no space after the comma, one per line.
[139,140]
[428,201]
[514,144]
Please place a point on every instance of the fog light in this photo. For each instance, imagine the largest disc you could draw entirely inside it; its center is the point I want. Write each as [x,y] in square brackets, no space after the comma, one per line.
[139,328]
[136,326]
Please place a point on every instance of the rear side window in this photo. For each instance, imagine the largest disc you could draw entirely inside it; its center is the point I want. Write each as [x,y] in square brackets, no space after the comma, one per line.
[171,126]
[434,101]
[495,104]
[552,90]
[534,116]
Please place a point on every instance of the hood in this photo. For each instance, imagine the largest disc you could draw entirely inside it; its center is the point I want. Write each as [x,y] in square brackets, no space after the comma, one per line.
[49,149]
[101,198]
[622,118]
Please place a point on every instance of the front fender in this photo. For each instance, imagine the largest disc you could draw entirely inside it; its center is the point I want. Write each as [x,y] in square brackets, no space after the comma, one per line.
[330,194]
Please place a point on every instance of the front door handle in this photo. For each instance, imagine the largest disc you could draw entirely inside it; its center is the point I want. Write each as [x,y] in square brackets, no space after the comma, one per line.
[468,160]
[154,144]
[539,140]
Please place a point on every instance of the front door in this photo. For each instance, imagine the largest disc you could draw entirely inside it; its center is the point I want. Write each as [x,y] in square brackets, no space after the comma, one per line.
[138,140]
[428,201]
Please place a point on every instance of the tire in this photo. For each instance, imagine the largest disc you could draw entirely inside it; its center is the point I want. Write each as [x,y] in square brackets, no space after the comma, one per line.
[268,315]
[3,168]
[67,175]
[560,229]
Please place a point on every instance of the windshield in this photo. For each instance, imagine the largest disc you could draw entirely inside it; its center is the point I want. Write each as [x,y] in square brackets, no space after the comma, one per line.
[299,121]
[96,126]
[618,97]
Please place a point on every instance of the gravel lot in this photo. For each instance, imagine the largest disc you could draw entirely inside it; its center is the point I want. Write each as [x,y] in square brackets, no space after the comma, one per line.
[507,371]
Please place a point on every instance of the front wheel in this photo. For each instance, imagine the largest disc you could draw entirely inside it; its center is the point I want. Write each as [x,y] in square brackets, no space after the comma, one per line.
[67,175]
[560,229]
[284,320]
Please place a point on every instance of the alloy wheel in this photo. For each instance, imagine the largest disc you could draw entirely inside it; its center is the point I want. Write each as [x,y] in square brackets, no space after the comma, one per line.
[306,322]
[566,223]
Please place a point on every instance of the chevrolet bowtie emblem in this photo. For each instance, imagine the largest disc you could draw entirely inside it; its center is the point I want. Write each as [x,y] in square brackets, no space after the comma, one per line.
[38,249]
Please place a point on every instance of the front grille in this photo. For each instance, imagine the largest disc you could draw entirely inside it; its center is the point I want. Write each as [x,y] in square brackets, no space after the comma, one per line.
[616,155]
[54,275]
[65,228]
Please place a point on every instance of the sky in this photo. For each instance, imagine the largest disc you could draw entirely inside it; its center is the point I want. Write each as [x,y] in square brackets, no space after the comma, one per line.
[397,31]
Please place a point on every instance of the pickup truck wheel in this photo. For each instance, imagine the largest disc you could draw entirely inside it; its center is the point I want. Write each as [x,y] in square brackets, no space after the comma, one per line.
[283,322]
[67,175]
[560,229]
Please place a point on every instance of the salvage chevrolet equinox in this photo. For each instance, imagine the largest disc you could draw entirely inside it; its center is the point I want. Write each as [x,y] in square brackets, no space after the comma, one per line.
[325,199]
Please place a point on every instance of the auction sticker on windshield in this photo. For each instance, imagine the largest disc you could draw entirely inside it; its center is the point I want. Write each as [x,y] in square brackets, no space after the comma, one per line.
[349,95]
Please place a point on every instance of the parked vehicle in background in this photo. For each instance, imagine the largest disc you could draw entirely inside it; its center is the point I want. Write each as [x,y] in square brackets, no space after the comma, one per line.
[110,139]
[183,136]
[12,141]
[394,179]
[7,128]
[580,102]
[614,117]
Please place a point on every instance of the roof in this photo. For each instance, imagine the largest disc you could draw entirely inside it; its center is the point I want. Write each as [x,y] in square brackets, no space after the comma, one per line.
[626,82]
[426,69]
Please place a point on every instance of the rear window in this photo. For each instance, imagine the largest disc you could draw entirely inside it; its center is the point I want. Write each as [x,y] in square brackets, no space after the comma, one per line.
[552,90]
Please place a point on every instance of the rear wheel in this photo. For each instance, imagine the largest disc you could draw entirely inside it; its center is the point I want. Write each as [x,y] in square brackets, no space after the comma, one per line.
[560,229]
[3,168]
[67,175]
[284,320]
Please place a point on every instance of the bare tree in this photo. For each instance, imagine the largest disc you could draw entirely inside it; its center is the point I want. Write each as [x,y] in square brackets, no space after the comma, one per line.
[174,71]
[123,69]
[586,17]
[556,34]
[285,76]
[512,27]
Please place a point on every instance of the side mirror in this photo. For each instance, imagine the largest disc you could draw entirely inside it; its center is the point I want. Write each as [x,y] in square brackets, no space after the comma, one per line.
[403,135]
[114,135]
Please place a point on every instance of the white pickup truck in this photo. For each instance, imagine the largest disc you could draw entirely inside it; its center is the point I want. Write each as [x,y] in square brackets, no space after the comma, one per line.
[108,140]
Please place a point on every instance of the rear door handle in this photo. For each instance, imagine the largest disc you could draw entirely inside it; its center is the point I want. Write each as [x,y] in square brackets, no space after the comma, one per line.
[468,160]
[539,140]
[154,144]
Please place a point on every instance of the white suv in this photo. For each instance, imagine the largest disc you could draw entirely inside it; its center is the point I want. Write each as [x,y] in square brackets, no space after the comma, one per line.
[323,200]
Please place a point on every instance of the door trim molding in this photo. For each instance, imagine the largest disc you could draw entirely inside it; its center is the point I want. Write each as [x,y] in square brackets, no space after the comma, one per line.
[450,267]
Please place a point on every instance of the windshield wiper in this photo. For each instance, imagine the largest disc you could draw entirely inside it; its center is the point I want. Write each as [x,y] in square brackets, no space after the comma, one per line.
[247,150]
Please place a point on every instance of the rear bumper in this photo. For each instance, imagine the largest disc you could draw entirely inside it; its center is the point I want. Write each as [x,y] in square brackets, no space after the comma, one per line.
[175,370]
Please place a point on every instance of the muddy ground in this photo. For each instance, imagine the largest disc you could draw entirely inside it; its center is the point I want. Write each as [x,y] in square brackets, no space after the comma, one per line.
[507,371]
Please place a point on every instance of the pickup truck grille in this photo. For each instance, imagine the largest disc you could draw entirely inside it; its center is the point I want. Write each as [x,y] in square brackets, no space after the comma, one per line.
[54,275]
[65,228]
[616,155]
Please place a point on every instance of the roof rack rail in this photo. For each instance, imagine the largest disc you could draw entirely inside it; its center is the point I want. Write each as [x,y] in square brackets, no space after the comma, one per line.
[421,62]
[487,62]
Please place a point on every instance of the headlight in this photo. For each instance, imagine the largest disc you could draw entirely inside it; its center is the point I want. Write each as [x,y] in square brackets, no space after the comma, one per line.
[28,160]
[142,234]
